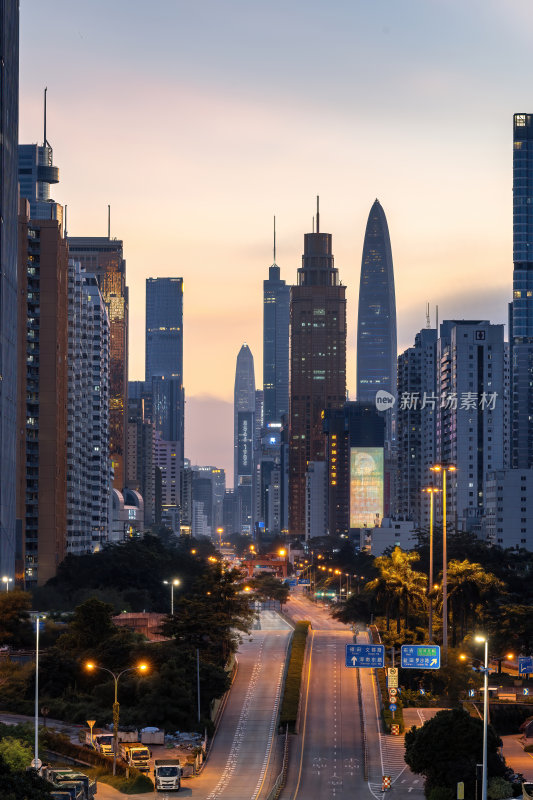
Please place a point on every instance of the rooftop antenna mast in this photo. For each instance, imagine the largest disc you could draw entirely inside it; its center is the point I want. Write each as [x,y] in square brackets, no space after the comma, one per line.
[317,214]
[109,222]
[428,318]
[437,320]
[45,142]
[274,240]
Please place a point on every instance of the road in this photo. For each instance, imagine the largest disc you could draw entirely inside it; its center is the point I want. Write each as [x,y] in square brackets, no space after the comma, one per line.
[328,761]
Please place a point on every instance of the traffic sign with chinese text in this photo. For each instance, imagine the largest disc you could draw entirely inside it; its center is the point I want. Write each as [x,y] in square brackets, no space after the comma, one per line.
[365,655]
[525,665]
[392,676]
[420,656]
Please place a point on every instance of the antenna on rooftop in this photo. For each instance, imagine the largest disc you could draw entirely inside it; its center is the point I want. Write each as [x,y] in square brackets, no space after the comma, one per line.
[44,139]
[274,240]
[317,214]
[437,319]
[428,318]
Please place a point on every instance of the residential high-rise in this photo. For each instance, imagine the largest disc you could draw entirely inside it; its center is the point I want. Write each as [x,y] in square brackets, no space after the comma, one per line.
[521,308]
[43,367]
[103,257]
[376,323]
[244,405]
[9,71]
[317,363]
[276,312]
[471,411]
[416,421]
[89,467]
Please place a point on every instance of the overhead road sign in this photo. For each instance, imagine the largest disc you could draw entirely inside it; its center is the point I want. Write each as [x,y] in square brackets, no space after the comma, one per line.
[365,655]
[525,665]
[420,656]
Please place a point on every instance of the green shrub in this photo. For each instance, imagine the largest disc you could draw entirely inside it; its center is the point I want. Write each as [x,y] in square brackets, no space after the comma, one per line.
[441,793]
[293,681]
[499,789]
[386,713]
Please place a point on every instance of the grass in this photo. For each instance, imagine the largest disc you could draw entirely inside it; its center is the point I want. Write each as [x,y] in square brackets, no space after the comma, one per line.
[135,784]
[293,681]
[386,712]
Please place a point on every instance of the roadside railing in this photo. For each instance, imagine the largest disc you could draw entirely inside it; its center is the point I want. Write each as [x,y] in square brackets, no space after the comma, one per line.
[281,780]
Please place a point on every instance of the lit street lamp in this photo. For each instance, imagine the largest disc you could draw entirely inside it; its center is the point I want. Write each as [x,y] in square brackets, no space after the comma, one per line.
[7,581]
[485,639]
[444,470]
[431,490]
[37,618]
[142,668]
[172,583]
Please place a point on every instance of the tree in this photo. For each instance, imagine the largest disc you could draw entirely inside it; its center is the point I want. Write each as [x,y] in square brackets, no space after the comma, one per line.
[22,785]
[398,585]
[16,754]
[269,587]
[15,627]
[468,585]
[446,749]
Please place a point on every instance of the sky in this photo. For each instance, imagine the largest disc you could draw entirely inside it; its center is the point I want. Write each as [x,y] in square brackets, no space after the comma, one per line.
[199,120]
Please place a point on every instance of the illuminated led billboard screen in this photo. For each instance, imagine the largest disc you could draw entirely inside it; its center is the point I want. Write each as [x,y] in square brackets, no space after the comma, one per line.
[366,486]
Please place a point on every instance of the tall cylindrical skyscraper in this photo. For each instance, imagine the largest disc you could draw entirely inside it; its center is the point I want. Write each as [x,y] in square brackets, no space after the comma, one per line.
[243,436]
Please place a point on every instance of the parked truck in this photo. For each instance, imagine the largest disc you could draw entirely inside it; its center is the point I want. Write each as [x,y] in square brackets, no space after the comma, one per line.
[167,774]
[102,742]
[135,755]
[62,778]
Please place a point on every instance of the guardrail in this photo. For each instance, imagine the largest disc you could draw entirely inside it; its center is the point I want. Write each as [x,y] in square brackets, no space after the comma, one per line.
[281,780]
[363,725]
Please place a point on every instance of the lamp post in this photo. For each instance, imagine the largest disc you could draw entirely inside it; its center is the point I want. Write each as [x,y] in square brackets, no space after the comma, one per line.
[431,490]
[444,470]
[116,708]
[172,583]
[7,581]
[485,639]
[37,620]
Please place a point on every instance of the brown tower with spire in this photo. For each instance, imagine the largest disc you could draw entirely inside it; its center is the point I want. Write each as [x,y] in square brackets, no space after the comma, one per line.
[317,362]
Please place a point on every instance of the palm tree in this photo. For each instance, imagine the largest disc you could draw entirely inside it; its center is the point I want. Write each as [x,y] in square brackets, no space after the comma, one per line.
[468,586]
[398,585]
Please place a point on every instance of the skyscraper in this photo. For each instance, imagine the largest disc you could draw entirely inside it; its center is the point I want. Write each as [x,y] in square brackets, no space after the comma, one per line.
[103,257]
[317,363]
[9,71]
[36,172]
[276,310]
[521,309]
[376,324]
[244,404]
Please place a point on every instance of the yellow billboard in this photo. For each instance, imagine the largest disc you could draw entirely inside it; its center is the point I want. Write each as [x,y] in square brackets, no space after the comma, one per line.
[366,486]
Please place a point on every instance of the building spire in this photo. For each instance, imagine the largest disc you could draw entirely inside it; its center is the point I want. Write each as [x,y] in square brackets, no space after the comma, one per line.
[44,138]
[274,240]
[317,214]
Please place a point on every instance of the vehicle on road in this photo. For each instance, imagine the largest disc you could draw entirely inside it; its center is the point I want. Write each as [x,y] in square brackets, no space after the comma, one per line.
[102,742]
[135,755]
[167,774]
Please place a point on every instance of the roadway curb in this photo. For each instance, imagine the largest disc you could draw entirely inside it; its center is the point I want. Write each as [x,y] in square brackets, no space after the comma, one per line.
[218,717]
[302,683]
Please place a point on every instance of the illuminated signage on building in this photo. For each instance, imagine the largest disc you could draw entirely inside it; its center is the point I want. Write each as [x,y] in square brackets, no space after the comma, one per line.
[366,486]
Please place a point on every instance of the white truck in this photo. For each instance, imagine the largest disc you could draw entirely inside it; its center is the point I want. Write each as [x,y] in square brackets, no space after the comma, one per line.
[167,774]
[135,755]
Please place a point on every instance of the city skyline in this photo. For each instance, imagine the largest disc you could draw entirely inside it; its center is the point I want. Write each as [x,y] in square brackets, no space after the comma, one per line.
[420,107]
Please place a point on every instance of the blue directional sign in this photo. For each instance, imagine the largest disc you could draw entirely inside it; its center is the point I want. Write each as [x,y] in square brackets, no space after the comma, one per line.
[471,692]
[420,656]
[393,707]
[525,665]
[365,655]
[525,692]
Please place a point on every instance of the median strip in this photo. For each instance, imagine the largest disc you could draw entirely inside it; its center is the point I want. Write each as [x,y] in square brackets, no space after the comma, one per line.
[293,681]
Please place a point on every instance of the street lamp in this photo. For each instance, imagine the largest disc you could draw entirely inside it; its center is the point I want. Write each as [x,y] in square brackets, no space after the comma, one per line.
[432,491]
[220,531]
[142,667]
[444,470]
[172,583]
[485,639]
[7,581]
[37,620]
